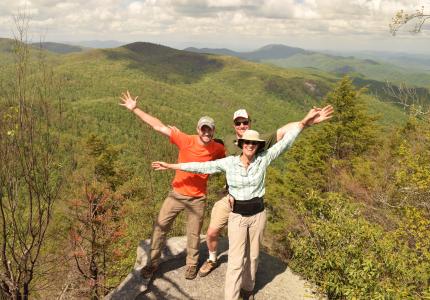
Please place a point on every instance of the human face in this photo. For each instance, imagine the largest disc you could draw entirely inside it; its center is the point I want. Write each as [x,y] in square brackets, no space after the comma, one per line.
[205,134]
[243,124]
[249,148]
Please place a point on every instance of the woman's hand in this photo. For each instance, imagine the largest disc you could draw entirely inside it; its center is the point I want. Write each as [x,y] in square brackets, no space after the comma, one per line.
[160,165]
[317,115]
[324,114]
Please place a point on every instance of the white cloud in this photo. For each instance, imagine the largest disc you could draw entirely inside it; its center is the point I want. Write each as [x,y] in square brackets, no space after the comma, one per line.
[204,19]
[225,3]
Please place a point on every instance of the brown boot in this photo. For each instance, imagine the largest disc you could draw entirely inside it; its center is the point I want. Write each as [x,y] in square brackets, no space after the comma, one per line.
[207,267]
[190,272]
[148,271]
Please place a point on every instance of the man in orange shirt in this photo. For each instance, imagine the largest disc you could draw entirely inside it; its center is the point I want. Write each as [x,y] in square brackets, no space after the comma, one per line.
[189,190]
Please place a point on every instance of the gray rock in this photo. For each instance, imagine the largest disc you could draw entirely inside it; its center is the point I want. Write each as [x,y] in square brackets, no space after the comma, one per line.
[274,279]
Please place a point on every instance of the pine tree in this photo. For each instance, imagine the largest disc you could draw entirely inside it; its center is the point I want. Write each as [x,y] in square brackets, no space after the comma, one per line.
[351,132]
[319,155]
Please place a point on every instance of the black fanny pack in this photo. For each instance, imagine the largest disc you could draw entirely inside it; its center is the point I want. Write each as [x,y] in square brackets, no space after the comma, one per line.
[248,207]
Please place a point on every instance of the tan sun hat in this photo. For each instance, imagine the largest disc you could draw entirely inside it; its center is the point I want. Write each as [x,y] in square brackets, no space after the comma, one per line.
[251,135]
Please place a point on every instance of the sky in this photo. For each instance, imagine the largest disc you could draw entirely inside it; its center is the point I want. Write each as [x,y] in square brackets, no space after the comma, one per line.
[241,25]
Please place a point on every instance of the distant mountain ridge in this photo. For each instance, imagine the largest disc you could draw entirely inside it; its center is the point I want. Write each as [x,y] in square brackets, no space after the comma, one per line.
[7,45]
[98,44]
[418,61]
[57,47]
[370,67]
[272,51]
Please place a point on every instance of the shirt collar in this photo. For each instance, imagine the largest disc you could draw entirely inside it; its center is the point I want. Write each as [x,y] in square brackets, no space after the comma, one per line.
[237,161]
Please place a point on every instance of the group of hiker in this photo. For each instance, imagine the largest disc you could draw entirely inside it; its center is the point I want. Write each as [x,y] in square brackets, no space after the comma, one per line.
[244,158]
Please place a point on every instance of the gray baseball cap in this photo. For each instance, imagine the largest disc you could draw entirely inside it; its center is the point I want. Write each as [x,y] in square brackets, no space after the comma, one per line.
[206,121]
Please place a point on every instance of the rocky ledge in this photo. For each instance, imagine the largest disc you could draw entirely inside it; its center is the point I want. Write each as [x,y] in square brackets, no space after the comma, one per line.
[274,279]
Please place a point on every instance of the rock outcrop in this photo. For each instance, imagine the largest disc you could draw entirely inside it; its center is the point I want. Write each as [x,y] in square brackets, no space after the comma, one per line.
[274,279]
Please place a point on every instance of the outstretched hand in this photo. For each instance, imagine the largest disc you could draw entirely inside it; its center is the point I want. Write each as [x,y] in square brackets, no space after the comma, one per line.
[318,115]
[128,101]
[160,165]
[325,113]
[173,128]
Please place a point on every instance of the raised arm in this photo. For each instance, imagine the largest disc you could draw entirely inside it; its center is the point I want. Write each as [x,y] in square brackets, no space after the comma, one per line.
[314,116]
[317,115]
[161,166]
[207,167]
[284,129]
[323,114]
[287,140]
[131,104]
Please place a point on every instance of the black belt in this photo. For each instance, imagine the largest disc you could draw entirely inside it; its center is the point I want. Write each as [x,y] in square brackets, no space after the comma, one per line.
[248,207]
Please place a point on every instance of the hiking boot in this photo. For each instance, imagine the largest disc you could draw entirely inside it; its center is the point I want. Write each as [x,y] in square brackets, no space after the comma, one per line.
[148,271]
[246,295]
[207,267]
[191,272]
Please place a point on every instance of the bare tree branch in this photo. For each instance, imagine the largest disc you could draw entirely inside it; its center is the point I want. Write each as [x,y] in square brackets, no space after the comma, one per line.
[408,98]
[402,18]
[29,179]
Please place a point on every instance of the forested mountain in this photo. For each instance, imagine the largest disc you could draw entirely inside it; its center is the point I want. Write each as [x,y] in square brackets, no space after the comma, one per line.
[418,61]
[273,51]
[364,68]
[393,69]
[98,44]
[348,203]
[57,47]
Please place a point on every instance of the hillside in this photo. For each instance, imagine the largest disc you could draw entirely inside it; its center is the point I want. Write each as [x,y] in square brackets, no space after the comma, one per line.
[57,47]
[7,47]
[364,68]
[6,51]
[185,84]
[273,51]
[393,69]
[336,201]
[419,62]
[98,44]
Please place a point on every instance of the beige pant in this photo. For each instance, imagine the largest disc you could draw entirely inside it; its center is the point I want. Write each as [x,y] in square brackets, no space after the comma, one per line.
[172,206]
[244,237]
[220,213]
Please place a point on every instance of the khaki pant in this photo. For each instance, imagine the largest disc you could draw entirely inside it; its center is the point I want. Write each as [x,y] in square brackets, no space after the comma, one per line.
[172,206]
[220,213]
[244,237]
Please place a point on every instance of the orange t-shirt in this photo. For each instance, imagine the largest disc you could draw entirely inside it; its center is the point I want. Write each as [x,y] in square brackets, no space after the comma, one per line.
[190,184]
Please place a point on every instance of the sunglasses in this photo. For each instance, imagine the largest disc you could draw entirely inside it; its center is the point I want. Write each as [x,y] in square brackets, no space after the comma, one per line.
[237,123]
[251,142]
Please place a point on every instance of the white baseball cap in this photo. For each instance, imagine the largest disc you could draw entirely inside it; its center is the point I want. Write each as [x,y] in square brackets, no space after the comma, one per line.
[241,113]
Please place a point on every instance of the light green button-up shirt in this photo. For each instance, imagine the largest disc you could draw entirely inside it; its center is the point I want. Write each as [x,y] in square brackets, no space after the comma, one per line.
[245,183]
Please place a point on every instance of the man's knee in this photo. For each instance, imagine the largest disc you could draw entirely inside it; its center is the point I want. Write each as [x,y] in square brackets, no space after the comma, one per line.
[213,233]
